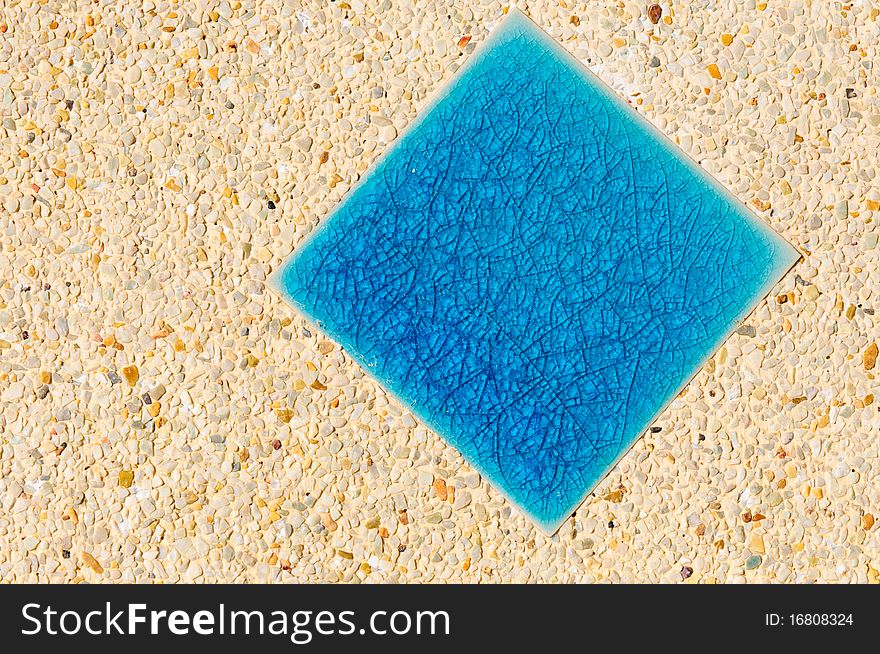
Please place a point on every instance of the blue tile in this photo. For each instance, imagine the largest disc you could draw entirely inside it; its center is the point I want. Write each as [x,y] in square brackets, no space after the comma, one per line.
[534,270]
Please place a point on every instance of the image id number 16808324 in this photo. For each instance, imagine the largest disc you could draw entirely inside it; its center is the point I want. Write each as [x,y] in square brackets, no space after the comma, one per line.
[808,620]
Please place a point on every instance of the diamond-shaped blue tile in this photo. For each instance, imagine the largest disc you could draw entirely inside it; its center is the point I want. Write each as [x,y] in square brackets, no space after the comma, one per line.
[534,270]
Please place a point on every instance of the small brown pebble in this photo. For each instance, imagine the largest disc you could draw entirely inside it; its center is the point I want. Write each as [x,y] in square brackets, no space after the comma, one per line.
[324,157]
[92,562]
[440,488]
[463,41]
[276,444]
[615,497]
[325,347]
[284,415]
[869,358]
[403,517]
[131,374]
[867,521]
[655,11]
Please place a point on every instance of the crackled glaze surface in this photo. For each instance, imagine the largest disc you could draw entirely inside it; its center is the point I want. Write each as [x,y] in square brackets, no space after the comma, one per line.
[534,271]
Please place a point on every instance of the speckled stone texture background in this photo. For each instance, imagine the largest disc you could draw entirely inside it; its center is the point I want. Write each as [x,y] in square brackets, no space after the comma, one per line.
[164,417]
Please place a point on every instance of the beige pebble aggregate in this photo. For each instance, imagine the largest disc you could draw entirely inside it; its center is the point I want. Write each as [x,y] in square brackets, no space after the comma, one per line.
[164,417]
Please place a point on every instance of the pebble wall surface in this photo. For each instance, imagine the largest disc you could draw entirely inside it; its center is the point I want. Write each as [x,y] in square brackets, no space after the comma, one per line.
[166,417]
